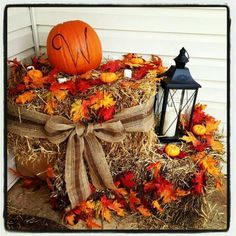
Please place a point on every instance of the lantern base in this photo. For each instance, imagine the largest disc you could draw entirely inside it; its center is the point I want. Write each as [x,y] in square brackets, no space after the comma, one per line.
[164,139]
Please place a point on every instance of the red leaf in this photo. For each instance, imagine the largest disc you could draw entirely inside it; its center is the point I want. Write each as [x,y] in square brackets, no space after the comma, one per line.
[127,180]
[49,183]
[133,200]
[139,73]
[83,85]
[18,89]
[112,66]
[69,85]
[91,224]
[106,113]
[54,203]
[182,155]
[32,183]
[199,182]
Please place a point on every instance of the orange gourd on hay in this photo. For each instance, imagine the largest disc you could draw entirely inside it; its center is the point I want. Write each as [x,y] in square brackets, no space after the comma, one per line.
[35,74]
[73,47]
[172,150]
[108,77]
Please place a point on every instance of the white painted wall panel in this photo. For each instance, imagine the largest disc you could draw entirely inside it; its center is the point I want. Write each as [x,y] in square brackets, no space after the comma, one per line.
[20,39]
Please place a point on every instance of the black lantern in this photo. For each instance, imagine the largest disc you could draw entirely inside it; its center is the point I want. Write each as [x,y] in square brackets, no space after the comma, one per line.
[175,100]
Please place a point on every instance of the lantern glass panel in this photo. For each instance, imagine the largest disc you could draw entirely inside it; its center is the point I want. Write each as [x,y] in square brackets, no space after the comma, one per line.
[189,97]
[173,107]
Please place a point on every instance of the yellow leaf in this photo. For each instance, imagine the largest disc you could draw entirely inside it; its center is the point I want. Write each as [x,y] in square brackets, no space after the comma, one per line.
[59,94]
[90,204]
[79,111]
[107,100]
[211,126]
[106,214]
[50,107]
[217,146]
[144,211]
[26,97]
[156,205]
[209,164]
[190,138]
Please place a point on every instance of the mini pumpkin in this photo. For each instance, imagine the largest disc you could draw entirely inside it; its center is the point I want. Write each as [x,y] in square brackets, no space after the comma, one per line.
[137,60]
[199,129]
[172,150]
[35,74]
[108,77]
[74,47]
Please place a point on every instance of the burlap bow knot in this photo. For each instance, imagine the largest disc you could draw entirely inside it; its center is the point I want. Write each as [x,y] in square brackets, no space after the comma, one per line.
[82,142]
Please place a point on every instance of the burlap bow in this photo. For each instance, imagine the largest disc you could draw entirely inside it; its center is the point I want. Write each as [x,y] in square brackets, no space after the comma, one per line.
[82,142]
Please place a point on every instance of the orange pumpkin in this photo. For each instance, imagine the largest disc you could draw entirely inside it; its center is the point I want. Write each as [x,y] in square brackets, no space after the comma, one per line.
[73,47]
[199,129]
[35,74]
[108,77]
[172,150]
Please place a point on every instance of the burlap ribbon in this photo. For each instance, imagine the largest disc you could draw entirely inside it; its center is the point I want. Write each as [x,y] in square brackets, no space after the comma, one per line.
[82,142]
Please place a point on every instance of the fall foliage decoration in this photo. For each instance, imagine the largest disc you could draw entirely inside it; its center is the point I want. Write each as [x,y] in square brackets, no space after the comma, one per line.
[74,51]
[153,180]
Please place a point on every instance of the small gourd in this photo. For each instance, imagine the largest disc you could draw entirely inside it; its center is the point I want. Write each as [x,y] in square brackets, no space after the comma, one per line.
[199,129]
[35,74]
[108,77]
[172,150]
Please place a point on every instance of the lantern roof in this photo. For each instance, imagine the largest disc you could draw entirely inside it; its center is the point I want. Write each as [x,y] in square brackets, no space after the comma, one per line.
[178,76]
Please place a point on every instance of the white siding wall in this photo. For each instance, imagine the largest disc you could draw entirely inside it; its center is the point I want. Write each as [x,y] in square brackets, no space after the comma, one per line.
[162,31]
[20,38]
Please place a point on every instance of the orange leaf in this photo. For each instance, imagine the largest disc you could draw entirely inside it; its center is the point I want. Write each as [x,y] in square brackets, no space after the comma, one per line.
[60,95]
[121,191]
[102,99]
[26,97]
[86,75]
[190,138]
[117,207]
[156,167]
[106,214]
[209,164]
[211,126]
[91,224]
[50,172]
[166,191]
[70,219]
[156,205]
[181,193]
[144,211]
[50,107]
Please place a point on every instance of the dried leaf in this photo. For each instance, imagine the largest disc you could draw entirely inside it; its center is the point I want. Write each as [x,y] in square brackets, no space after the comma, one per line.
[144,211]
[106,214]
[117,207]
[209,164]
[156,205]
[83,85]
[26,97]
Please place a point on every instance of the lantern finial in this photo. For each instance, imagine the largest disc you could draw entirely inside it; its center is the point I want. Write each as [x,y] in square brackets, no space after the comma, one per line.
[181,59]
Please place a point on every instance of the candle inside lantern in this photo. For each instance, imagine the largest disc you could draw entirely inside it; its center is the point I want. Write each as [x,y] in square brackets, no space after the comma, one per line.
[128,73]
[170,122]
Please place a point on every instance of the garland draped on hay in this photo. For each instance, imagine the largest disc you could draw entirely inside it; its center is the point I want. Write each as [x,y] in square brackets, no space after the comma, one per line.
[162,192]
